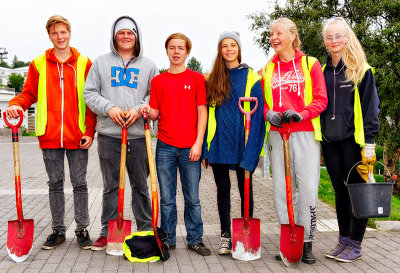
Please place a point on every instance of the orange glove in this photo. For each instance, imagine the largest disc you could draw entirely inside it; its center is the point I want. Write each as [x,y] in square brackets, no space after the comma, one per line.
[368,159]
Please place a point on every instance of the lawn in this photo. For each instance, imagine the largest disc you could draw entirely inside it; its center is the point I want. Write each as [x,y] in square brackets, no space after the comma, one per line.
[327,194]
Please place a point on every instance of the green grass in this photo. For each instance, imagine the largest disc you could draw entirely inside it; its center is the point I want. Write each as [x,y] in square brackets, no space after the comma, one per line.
[327,194]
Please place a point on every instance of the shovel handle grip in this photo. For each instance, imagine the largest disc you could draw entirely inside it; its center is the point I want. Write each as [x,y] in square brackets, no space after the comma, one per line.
[244,112]
[14,127]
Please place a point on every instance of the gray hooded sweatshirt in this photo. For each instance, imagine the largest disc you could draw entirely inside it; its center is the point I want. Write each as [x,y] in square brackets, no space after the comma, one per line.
[109,83]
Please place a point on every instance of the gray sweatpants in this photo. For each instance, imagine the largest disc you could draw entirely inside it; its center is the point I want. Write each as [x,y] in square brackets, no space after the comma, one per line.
[305,173]
[137,165]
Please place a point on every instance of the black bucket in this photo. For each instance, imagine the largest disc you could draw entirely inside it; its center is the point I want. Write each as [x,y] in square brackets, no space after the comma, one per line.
[371,200]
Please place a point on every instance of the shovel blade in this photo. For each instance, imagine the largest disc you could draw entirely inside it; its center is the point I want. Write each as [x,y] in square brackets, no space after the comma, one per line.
[246,241]
[291,248]
[116,236]
[19,239]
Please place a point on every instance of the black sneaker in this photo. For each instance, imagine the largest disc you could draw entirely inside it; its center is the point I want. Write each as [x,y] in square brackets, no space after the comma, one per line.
[200,249]
[54,240]
[83,239]
[170,247]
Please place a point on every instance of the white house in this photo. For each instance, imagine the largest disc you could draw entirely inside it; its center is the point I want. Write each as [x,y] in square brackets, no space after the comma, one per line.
[6,72]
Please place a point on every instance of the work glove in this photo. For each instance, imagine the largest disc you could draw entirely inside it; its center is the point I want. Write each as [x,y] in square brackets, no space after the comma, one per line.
[290,115]
[368,159]
[274,118]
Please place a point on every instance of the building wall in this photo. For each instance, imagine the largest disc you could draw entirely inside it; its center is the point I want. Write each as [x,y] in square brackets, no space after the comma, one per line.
[6,72]
[29,119]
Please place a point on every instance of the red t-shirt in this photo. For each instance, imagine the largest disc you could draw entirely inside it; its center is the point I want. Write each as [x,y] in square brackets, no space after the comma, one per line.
[177,96]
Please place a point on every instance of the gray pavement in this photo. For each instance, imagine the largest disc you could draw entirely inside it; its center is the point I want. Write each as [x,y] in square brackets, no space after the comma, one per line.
[381,249]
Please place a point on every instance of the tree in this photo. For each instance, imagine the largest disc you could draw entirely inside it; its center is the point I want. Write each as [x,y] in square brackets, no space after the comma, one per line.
[16,81]
[162,70]
[377,26]
[16,63]
[195,65]
[4,64]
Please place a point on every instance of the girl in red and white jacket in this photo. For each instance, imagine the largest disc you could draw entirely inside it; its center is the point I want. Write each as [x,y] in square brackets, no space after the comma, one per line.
[295,90]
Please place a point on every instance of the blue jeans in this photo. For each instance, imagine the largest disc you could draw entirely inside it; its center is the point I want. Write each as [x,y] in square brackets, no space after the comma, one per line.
[54,163]
[168,159]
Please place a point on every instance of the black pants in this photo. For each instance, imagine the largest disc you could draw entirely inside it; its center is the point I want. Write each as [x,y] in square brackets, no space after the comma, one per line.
[221,176]
[340,156]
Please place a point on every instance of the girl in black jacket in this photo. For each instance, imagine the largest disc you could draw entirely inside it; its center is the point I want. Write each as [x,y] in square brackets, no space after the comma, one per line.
[349,123]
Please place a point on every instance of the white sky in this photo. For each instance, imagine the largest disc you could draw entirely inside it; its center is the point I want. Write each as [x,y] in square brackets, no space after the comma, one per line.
[23,33]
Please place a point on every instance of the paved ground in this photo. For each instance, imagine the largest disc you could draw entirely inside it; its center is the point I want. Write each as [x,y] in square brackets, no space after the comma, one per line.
[381,250]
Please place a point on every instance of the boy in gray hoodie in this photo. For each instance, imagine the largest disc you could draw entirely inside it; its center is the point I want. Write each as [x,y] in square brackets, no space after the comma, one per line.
[119,81]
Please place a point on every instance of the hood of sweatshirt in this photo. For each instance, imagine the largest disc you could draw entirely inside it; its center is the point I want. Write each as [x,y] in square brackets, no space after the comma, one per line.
[138,37]
[51,57]
[298,54]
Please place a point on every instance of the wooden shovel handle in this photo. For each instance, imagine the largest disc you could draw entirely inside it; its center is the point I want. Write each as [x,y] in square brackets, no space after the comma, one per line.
[153,175]
[288,180]
[121,188]
[246,137]
[15,141]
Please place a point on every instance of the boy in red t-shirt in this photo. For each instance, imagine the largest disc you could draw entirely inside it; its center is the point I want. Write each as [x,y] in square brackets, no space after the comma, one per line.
[178,100]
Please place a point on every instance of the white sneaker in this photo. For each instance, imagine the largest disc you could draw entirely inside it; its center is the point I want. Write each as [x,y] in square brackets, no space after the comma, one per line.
[225,244]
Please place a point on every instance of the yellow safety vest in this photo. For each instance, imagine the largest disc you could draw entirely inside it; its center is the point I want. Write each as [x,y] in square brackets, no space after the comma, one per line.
[358,118]
[41,109]
[131,256]
[308,96]
[252,78]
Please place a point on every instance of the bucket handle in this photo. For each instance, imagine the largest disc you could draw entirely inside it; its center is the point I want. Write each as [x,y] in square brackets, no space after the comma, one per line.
[392,179]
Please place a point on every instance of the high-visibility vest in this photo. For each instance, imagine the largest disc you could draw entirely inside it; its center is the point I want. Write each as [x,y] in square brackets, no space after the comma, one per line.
[358,118]
[41,109]
[252,78]
[149,252]
[308,96]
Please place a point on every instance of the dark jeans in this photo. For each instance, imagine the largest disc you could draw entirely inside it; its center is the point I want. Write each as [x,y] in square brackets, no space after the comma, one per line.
[54,163]
[340,157]
[168,159]
[221,176]
[137,165]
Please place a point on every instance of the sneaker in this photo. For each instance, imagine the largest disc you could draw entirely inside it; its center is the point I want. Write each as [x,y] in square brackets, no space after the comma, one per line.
[100,244]
[200,249]
[54,240]
[338,249]
[225,244]
[350,253]
[83,239]
[170,247]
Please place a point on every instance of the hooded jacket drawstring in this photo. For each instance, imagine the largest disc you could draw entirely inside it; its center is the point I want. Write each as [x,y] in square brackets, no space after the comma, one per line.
[297,77]
[280,85]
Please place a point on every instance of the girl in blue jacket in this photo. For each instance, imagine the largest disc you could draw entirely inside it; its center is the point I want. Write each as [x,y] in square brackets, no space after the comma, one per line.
[226,149]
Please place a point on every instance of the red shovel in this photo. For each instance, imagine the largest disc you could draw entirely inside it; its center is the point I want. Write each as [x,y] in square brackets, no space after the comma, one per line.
[119,228]
[153,179]
[20,232]
[292,235]
[246,231]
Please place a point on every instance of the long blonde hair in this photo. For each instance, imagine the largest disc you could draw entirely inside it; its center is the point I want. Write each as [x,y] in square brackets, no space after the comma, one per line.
[353,54]
[291,27]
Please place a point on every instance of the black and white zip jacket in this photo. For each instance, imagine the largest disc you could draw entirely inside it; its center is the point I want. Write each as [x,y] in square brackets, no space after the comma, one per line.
[337,121]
